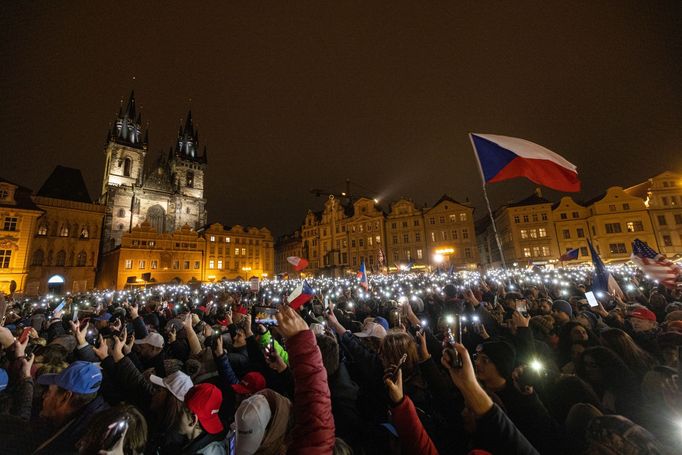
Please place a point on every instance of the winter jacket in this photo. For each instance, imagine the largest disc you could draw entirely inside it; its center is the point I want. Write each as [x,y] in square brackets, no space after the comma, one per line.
[265,340]
[413,436]
[314,429]
[347,418]
[497,434]
[207,444]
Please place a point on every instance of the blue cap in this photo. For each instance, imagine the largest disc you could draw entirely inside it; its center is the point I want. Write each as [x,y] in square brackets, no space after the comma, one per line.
[4,379]
[103,317]
[382,322]
[80,377]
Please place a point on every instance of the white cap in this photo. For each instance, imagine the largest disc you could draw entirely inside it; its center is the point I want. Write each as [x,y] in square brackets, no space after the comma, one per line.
[371,329]
[153,339]
[177,383]
[251,420]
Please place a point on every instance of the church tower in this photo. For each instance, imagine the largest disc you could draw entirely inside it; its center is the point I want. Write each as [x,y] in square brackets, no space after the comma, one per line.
[188,168]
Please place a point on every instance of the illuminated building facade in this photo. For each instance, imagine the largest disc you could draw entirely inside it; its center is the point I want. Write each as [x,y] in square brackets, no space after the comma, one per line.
[286,246]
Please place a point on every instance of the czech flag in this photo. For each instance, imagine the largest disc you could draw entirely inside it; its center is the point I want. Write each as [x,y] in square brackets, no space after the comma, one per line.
[602,280]
[362,276]
[298,263]
[503,158]
[300,296]
[570,255]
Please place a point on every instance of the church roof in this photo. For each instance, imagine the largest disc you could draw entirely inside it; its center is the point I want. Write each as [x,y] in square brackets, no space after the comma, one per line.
[65,183]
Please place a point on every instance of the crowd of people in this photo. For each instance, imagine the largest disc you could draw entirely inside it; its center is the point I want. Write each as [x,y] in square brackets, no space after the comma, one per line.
[513,361]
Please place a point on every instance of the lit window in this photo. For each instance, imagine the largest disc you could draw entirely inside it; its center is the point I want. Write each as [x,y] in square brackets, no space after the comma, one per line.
[84,233]
[129,263]
[211,264]
[462,216]
[452,218]
[420,253]
[536,251]
[545,251]
[42,230]
[220,264]
[5,256]
[377,239]
[524,233]
[143,264]
[155,264]
[243,251]
[433,236]
[213,238]
[64,231]
[227,240]
[236,251]
[526,252]
[533,234]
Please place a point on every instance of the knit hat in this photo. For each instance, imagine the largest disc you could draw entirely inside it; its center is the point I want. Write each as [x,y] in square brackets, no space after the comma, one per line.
[643,313]
[590,316]
[563,306]
[502,355]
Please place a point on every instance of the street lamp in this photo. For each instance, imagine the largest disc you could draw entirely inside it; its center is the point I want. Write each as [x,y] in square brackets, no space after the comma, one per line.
[438,258]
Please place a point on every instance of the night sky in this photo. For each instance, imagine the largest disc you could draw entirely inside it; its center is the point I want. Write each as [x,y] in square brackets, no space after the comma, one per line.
[290,96]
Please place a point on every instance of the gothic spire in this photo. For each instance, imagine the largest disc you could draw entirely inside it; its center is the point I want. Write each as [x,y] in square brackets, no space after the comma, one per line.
[127,130]
[187,147]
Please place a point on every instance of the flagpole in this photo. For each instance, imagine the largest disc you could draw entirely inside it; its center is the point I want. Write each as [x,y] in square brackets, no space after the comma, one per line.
[487,202]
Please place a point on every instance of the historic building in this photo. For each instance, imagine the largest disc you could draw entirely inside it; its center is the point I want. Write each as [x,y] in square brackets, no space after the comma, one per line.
[167,195]
[212,253]
[18,219]
[66,240]
[286,246]
[405,237]
[450,234]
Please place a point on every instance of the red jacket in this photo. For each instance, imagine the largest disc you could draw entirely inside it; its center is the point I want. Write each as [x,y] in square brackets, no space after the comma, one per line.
[314,432]
[413,436]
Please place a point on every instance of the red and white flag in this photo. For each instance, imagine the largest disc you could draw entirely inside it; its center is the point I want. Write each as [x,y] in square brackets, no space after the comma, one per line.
[298,263]
[654,264]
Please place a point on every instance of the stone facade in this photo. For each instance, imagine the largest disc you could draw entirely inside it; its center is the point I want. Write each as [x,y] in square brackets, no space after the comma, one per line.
[168,195]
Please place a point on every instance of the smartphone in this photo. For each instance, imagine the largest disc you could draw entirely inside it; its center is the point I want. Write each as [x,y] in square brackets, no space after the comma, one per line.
[265,315]
[401,362]
[114,434]
[522,308]
[454,335]
[591,299]
[24,334]
[59,308]
[74,318]
[270,350]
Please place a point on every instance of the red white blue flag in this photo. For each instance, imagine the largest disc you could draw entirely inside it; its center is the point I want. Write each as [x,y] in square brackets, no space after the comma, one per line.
[362,276]
[654,264]
[300,295]
[503,158]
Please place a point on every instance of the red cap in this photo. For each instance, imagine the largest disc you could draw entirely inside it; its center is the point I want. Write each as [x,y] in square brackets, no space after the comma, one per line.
[223,322]
[204,400]
[643,313]
[242,310]
[251,383]
[202,308]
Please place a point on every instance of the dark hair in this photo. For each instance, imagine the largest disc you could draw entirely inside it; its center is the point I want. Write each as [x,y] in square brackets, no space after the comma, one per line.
[636,358]
[616,376]
[564,393]
[136,437]
[330,353]
[565,341]
[78,400]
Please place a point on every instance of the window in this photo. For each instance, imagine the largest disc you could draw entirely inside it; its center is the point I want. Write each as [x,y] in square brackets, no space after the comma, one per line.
[580,233]
[525,218]
[634,226]
[563,216]
[84,233]
[38,258]
[465,233]
[467,252]
[678,219]
[11,224]
[626,206]
[526,252]
[612,207]
[61,259]
[227,240]
[432,220]
[667,240]
[187,210]
[463,216]
[236,251]
[452,218]
[583,251]
[566,233]
[378,239]
[454,234]
[416,222]
[408,254]
[243,251]
[361,243]
[406,238]
[665,200]
[617,248]
[544,216]
[545,251]
[142,265]
[536,251]
[395,239]
[661,220]
[613,228]
[220,264]
[533,234]
[120,227]
[575,214]
[420,253]
[542,232]
[129,263]
[355,260]
[211,264]
[535,217]
[176,265]
[443,235]
[185,265]
[151,243]
[190,179]
[197,265]
[524,233]
[404,224]
[213,238]
[4,194]
[127,164]
[42,230]
[155,264]
[594,230]
[517,220]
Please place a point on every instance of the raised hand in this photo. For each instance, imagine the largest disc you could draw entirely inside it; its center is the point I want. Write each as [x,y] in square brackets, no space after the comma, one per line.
[247,326]
[218,350]
[290,323]
[134,311]
[102,351]
[26,364]
[395,389]
[423,348]
[274,361]
[117,350]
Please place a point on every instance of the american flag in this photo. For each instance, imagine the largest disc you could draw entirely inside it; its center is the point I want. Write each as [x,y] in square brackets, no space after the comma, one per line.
[654,264]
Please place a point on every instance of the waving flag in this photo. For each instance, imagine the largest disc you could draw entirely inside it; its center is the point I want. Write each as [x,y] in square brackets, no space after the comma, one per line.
[380,257]
[654,264]
[300,295]
[602,279]
[362,276]
[298,263]
[570,255]
[503,158]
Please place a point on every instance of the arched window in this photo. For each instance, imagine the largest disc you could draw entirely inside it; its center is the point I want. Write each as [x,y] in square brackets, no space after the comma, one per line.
[38,257]
[190,179]
[120,227]
[42,230]
[82,259]
[121,213]
[156,217]
[127,164]
[61,258]
[84,233]
[64,231]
